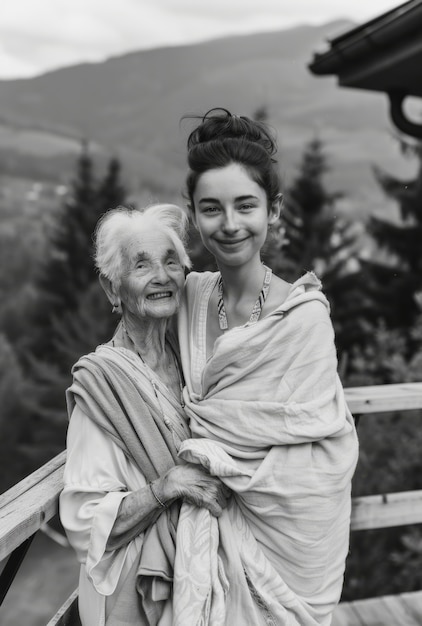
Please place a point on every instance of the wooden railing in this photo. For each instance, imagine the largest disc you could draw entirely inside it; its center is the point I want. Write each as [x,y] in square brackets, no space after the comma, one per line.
[27,506]
[385,510]
[24,510]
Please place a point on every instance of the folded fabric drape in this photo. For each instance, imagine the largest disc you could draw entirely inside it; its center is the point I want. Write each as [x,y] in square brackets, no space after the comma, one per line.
[108,386]
[268,416]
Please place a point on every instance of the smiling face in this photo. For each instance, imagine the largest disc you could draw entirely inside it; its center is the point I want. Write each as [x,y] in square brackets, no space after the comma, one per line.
[232,215]
[152,278]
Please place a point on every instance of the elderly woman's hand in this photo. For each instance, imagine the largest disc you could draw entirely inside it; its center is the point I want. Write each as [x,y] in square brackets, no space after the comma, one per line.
[142,508]
[194,484]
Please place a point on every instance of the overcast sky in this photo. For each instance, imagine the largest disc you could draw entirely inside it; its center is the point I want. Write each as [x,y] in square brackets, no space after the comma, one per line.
[39,35]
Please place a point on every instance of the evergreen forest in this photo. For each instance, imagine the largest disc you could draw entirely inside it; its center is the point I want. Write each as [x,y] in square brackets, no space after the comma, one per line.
[52,310]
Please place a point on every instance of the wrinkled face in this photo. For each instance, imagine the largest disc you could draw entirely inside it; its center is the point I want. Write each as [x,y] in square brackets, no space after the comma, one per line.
[232,215]
[153,277]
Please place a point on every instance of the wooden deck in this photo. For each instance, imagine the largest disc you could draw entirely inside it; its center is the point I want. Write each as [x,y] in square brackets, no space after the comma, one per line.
[398,610]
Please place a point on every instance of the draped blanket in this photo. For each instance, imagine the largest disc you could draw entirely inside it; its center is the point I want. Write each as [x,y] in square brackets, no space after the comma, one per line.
[109,386]
[268,416]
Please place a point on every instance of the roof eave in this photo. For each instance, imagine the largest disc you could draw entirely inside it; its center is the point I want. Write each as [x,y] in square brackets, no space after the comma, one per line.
[383,55]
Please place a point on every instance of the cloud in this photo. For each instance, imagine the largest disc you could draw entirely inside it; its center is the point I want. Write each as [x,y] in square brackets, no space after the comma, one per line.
[307,11]
[11,66]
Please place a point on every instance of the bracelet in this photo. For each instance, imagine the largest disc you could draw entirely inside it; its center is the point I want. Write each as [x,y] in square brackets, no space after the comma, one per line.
[162,505]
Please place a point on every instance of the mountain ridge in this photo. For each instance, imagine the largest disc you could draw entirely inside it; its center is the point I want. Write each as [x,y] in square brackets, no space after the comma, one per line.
[131,105]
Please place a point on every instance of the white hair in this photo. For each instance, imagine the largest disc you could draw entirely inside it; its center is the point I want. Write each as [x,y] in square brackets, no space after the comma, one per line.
[116,226]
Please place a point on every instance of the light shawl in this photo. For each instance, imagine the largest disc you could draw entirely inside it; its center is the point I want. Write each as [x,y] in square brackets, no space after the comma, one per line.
[109,387]
[268,416]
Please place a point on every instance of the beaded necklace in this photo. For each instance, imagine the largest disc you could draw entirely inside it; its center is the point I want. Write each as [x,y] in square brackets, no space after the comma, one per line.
[257,308]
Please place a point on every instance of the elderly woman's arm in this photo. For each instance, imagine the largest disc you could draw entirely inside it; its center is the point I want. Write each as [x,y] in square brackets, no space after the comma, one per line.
[106,503]
[141,508]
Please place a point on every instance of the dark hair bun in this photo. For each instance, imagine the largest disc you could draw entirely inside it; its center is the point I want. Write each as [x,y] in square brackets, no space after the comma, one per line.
[218,124]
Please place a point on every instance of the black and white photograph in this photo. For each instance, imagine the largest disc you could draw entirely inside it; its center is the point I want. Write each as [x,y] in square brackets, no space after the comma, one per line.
[211,313]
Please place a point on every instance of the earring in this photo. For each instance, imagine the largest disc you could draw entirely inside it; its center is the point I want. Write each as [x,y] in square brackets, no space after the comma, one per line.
[116,308]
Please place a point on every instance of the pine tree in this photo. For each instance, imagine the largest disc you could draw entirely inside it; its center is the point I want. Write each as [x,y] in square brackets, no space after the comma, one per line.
[69,270]
[339,269]
[111,193]
[309,212]
[78,332]
[396,278]
[73,315]
[312,236]
[66,270]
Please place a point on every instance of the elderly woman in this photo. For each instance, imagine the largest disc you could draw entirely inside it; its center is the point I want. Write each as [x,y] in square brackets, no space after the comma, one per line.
[123,481]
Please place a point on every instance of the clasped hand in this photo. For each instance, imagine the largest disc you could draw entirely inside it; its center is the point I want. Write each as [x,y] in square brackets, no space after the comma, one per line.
[194,484]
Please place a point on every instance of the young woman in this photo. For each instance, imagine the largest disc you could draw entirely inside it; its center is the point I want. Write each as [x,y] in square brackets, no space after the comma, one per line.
[265,405]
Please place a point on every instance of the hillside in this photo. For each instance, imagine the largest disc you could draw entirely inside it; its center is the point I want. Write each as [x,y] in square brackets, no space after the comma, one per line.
[131,105]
